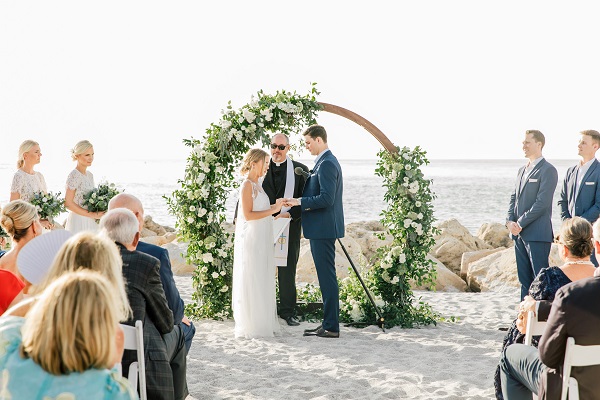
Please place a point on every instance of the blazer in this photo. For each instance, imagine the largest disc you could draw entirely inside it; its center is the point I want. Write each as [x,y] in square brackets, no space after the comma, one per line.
[587,201]
[322,210]
[148,303]
[174,300]
[531,203]
[574,313]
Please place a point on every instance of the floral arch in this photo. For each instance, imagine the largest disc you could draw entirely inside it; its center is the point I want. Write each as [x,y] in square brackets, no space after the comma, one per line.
[199,206]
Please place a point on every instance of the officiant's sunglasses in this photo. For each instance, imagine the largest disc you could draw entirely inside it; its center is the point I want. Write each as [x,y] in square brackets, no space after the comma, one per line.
[280,146]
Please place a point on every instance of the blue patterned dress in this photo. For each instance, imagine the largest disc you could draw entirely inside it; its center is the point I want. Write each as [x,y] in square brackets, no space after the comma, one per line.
[543,287]
[21,378]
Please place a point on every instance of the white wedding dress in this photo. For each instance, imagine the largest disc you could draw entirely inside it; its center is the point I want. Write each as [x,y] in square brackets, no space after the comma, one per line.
[253,298]
[82,184]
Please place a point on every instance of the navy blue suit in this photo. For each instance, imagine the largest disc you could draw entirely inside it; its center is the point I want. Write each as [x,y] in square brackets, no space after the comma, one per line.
[531,207]
[322,224]
[586,203]
[171,292]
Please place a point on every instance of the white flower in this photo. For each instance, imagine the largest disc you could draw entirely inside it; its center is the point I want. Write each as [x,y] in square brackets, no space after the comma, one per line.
[45,199]
[406,156]
[200,178]
[356,313]
[396,251]
[192,208]
[420,216]
[224,288]
[190,220]
[394,174]
[207,258]
[407,222]
[215,275]
[204,269]
[402,258]
[408,167]
[223,273]
[38,208]
[190,195]
[248,115]
[395,280]
[201,212]
[417,204]
[225,124]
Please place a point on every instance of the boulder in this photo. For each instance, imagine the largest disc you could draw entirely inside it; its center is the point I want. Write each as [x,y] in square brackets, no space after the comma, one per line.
[452,242]
[153,226]
[364,233]
[498,271]
[446,281]
[155,240]
[495,234]
[177,251]
[147,233]
[471,256]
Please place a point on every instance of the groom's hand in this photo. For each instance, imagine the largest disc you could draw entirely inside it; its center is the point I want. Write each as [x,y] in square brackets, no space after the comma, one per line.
[290,202]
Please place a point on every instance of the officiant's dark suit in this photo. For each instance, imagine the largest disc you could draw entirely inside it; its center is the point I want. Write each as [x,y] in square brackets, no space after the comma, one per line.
[531,208]
[274,186]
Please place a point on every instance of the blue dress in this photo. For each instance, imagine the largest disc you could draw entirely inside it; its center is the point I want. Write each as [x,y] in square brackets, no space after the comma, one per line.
[21,378]
[543,287]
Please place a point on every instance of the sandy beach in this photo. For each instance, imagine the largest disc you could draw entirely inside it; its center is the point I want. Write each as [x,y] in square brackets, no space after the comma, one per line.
[453,360]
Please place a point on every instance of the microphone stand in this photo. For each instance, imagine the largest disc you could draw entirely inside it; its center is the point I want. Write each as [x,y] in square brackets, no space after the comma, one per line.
[380,321]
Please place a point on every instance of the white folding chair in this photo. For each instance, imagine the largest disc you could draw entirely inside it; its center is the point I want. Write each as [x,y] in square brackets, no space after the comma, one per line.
[134,340]
[534,327]
[577,356]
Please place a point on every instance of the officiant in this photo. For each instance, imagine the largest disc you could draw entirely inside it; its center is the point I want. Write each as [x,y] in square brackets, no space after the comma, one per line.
[281,181]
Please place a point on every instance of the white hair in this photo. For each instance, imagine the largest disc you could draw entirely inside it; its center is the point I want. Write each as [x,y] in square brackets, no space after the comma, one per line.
[120,225]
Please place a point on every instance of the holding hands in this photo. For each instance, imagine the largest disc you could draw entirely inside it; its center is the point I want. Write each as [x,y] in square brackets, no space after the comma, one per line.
[528,304]
[291,202]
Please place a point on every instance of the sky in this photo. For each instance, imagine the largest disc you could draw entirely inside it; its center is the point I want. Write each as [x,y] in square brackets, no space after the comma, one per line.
[462,79]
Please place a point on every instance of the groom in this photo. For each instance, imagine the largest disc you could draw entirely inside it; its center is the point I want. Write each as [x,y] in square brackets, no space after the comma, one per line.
[323,223]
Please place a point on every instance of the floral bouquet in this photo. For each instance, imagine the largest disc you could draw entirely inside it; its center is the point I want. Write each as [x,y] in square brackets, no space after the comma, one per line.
[97,199]
[3,234]
[48,205]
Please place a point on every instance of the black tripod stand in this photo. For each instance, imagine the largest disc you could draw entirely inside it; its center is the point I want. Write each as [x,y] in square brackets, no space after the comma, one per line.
[380,321]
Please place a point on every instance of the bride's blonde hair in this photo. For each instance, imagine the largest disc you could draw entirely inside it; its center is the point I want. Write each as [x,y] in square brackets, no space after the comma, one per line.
[251,157]
[80,148]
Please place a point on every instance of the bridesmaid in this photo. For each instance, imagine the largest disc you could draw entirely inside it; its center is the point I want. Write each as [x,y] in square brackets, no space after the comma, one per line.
[27,182]
[79,182]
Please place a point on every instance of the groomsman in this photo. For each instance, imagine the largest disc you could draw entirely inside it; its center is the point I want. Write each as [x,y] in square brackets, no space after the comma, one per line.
[281,181]
[530,211]
[580,194]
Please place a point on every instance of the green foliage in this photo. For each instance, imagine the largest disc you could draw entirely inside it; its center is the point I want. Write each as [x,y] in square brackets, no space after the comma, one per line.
[48,205]
[97,199]
[199,206]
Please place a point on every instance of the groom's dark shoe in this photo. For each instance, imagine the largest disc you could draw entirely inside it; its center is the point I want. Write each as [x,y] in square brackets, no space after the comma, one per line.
[292,321]
[323,333]
[313,330]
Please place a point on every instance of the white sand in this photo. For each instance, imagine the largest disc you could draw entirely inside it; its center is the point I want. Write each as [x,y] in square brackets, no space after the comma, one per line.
[447,361]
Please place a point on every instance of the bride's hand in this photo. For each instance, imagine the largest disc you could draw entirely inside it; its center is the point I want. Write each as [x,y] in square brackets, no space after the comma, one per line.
[283,215]
[278,204]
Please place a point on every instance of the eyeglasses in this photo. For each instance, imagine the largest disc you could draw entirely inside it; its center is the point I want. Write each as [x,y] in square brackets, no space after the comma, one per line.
[278,146]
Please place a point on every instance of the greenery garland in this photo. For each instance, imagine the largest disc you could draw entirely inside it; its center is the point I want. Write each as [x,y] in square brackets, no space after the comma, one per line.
[199,207]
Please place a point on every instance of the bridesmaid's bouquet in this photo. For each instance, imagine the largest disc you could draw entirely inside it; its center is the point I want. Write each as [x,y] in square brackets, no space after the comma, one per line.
[97,199]
[48,205]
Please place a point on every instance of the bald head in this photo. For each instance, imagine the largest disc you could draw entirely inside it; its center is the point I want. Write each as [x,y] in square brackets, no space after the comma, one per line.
[130,202]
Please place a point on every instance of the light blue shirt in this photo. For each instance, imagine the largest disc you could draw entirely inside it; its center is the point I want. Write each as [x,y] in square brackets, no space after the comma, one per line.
[21,378]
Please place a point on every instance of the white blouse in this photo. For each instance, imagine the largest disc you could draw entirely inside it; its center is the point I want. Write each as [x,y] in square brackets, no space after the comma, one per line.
[28,184]
[82,184]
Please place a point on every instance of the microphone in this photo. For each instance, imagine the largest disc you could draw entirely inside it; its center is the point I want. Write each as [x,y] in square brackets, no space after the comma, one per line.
[300,171]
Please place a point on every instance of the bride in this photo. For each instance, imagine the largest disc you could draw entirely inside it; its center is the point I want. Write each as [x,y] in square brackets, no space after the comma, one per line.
[253,299]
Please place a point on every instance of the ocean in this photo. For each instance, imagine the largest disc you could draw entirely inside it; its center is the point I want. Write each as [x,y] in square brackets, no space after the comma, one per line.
[472,191]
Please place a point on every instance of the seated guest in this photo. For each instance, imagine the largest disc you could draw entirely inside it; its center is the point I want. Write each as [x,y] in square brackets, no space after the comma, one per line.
[84,250]
[10,287]
[575,248]
[44,355]
[163,342]
[21,222]
[574,313]
[124,200]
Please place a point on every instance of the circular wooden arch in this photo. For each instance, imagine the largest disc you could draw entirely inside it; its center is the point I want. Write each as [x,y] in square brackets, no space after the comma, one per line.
[354,117]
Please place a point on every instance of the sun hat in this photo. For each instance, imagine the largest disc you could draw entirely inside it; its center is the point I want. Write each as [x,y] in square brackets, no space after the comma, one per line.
[36,257]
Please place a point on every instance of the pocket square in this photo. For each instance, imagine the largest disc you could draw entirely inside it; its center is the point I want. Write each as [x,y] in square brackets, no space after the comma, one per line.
[590,183]
[532,180]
